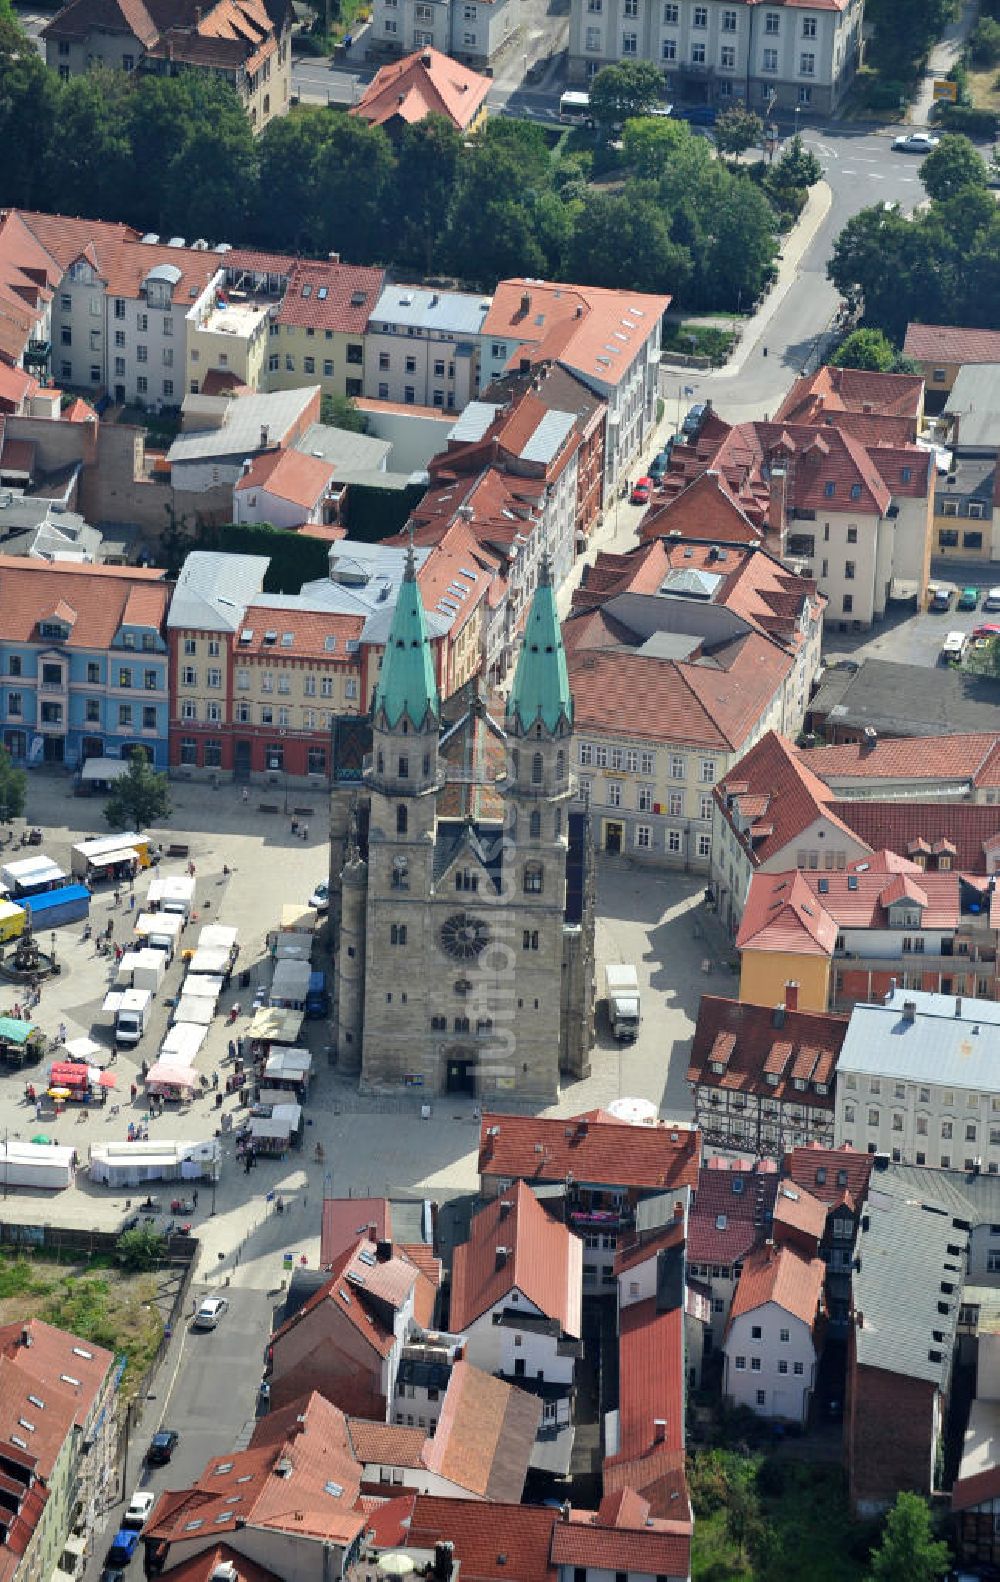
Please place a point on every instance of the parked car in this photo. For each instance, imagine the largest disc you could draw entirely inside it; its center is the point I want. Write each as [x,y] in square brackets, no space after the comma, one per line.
[162,1446]
[992,600]
[987,629]
[968,599]
[209,1313]
[940,600]
[916,142]
[659,465]
[123,1547]
[140,1505]
[698,114]
[641,491]
[694,419]
[320,898]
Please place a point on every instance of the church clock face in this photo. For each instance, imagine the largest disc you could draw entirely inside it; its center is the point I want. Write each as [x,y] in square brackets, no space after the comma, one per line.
[463,936]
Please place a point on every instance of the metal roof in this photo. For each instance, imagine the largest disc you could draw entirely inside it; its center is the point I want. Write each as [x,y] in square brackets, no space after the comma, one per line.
[907,1247]
[240,431]
[358,452]
[213,590]
[459,312]
[549,437]
[949,1042]
[474,421]
[975,400]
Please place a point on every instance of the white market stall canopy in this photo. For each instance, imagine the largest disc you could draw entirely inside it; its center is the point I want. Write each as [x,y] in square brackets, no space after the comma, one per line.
[84,1052]
[218,936]
[182,1043]
[283,1120]
[273,1025]
[179,889]
[101,769]
[33,870]
[211,959]
[290,1065]
[192,1008]
[35,1164]
[202,986]
[159,923]
[121,1164]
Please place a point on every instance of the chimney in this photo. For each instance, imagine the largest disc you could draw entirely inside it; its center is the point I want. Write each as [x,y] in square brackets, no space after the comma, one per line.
[247,464]
[505,1207]
[525,302]
[444,1561]
[659,1430]
[383,1250]
[869,739]
[333,258]
[265,435]
[197,17]
[425,59]
[909,1010]
[565,1511]
[791,996]
[372,1231]
[958,1006]
[892,990]
[502,1256]
[778,1016]
[25,1335]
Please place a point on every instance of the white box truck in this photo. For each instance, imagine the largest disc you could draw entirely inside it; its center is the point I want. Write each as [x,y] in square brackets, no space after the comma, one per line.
[622,984]
[131,1011]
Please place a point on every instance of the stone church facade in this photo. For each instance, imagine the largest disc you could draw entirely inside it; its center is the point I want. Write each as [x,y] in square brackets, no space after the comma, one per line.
[462,896]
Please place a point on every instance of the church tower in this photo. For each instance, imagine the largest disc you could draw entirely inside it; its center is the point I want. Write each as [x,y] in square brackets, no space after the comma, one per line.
[539,726]
[403,780]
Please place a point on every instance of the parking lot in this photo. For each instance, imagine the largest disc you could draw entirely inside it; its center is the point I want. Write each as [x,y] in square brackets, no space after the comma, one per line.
[907,637]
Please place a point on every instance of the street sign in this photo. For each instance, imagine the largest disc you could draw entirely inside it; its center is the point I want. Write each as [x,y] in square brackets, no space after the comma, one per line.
[944,88]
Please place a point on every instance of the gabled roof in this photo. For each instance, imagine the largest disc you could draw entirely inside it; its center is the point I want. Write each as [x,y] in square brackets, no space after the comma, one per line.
[543,1261]
[347,1219]
[783,914]
[622,1536]
[541,691]
[485,1434]
[361,1286]
[725,1223]
[951,759]
[595,332]
[834,396]
[900,826]
[779,1275]
[745,1041]
[785,798]
[213,590]
[288,475]
[650,1379]
[424,83]
[946,343]
[91,599]
[595,1148]
[704,508]
[493,1542]
[797,1210]
[907,1248]
[323,294]
[834,1175]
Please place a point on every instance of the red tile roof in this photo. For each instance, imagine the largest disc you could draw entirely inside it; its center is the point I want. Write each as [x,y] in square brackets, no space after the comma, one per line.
[798,1210]
[288,475]
[813,1038]
[597,1149]
[723,1223]
[424,83]
[347,1219]
[97,596]
[325,295]
[794,798]
[897,826]
[593,331]
[650,1379]
[387,1522]
[493,1542]
[342,1298]
[779,1275]
[703,508]
[830,394]
[60,1360]
[971,756]
[485,1434]
[835,1175]
[782,913]
[946,343]
[544,1261]
[636,1248]
[310,630]
[858,897]
[622,1536]
[385,1444]
[117,253]
[205,1566]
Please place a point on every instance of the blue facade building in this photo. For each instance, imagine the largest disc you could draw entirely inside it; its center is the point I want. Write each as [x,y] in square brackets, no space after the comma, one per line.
[83,662]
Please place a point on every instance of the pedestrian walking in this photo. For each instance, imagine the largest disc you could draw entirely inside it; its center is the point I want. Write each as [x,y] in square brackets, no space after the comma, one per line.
[118,895]
[62,1032]
[191,870]
[305,832]
[131,903]
[194,1197]
[131,882]
[246,794]
[215,1079]
[134,1091]
[232,1049]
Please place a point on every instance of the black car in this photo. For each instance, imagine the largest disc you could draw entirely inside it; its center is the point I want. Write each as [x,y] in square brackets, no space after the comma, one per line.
[162,1446]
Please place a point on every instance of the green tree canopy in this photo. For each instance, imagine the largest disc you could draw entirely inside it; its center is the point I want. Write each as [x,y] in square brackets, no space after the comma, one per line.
[13,788]
[140,798]
[650,142]
[339,411]
[609,224]
[619,92]
[865,349]
[951,167]
[737,129]
[797,167]
[427,160]
[908,1551]
[140,1249]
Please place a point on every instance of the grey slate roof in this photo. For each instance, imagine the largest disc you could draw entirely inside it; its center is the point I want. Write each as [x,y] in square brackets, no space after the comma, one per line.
[935,1047]
[974,399]
[373,573]
[460,312]
[213,590]
[240,432]
[965,1195]
[912,1259]
[344,449]
[908,700]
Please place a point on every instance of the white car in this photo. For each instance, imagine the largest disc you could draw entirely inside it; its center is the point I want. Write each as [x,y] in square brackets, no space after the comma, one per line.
[210,1311]
[141,1504]
[916,142]
[992,600]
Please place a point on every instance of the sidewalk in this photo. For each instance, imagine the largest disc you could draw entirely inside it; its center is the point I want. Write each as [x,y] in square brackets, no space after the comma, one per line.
[799,239]
[940,61]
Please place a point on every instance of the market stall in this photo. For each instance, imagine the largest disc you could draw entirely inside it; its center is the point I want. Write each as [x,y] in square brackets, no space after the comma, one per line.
[292,947]
[202,986]
[80,1084]
[182,1043]
[273,1129]
[21,1042]
[289,1070]
[173,1082]
[272,1024]
[211,961]
[111,857]
[36,1165]
[32,875]
[131,1164]
[12,921]
[290,985]
[84,1052]
[298,919]
[196,1009]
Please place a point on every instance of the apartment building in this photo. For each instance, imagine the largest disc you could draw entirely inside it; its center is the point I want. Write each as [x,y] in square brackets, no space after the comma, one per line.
[472,31]
[422,347]
[730,1216]
[560,391]
[919,1080]
[249,47]
[609,340]
[791,54]
[942,350]
[869,405]
[682,654]
[967,498]
[774,1339]
[83,662]
[318,331]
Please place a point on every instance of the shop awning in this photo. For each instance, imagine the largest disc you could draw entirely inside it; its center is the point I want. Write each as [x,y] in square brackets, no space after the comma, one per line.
[15,1031]
[164,1075]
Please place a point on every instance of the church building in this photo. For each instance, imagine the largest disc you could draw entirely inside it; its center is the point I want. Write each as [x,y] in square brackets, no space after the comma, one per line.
[461,895]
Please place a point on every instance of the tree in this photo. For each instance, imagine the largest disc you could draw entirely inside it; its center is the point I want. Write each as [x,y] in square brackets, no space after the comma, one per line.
[951,167]
[619,92]
[340,412]
[908,1552]
[13,788]
[94,143]
[141,797]
[619,236]
[492,226]
[984,45]
[426,164]
[650,142]
[737,129]
[865,349]
[28,96]
[797,167]
[140,1249]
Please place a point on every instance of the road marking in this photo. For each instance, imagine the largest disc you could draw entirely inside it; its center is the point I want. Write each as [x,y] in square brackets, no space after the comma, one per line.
[831,153]
[873,175]
[848,172]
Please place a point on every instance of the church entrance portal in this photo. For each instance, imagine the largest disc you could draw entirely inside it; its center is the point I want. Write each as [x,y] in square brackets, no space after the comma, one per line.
[461,1075]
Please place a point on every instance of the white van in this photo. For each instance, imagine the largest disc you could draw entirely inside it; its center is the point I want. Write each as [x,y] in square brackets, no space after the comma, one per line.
[954,647]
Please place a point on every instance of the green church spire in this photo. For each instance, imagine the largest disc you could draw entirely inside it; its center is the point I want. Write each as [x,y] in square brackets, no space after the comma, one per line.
[541,681]
[406,685]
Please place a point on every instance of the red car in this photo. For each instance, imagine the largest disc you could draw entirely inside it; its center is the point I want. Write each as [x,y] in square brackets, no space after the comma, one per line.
[641,491]
[987,629]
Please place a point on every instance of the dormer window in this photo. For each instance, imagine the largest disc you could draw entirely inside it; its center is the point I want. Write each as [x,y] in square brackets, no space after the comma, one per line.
[772,1079]
[55,631]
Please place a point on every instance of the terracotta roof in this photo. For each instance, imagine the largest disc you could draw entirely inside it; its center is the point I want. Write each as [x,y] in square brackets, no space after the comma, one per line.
[288,475]
[204,1567]
[704,508]
[598,1149]
[387,1522]
[723,1223]
[650,1378]
[658,1475]
[898,825]
[15,385]
[828,394]
[595,332]
[298,1475]
[118,254]
[782,913]
[779,1275]
[910,758]
[50,1427]
[346,1219]
[636,1248]
[622,1537]
[946,343]
[424,83]
[493,1542]
[544,1262]
[311,632]
[795,797]
[757,1032]
[858,897]
[485,1434]
[797,1209]
[835,1175]
[96,595]
[60,1360]
[385,1444]
[342,1298]
[330,296]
